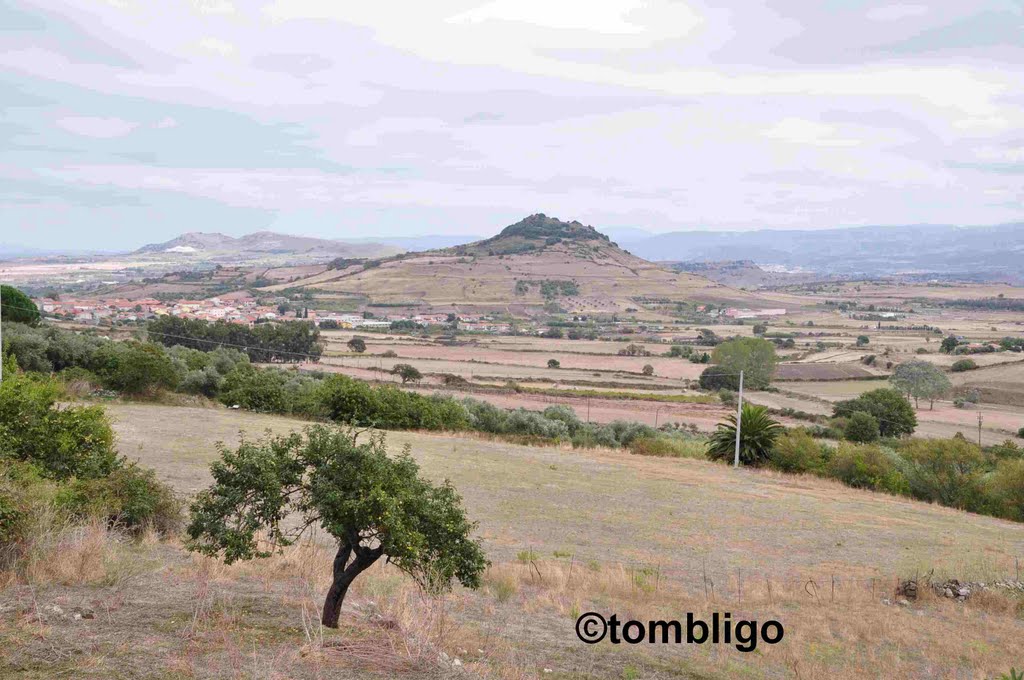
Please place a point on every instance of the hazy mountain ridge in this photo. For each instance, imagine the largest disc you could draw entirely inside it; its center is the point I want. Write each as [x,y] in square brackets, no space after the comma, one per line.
[856,250]
[263,242]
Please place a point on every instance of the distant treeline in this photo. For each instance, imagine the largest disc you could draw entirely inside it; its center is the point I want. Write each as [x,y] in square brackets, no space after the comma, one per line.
[995,304]
[284,342]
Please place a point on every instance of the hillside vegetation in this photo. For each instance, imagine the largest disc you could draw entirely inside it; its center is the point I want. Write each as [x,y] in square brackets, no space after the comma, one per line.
[485,274]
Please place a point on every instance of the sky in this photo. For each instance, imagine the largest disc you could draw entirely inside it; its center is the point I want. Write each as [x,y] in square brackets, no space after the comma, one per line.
[130,121]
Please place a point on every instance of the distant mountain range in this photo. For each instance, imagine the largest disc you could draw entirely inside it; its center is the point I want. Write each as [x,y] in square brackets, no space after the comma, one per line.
[942,249]
[221,246]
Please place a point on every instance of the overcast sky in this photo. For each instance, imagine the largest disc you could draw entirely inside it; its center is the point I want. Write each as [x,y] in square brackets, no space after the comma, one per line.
[131,121]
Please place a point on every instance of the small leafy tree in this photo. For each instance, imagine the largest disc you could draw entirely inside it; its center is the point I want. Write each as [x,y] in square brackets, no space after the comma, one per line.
[554,363]
[758,432]
[949,344]
[862,427]
[357,345]
[16,306]
[921,380]
[862,340]
[407,372]
[647,369]
[754,356]
[891,409]
[373,505]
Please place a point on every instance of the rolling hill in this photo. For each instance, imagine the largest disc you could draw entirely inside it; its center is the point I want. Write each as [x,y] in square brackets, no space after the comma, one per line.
[218,246]
[537,262]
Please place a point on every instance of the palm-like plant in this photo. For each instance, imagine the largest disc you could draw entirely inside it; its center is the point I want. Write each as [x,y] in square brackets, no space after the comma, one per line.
[757,436]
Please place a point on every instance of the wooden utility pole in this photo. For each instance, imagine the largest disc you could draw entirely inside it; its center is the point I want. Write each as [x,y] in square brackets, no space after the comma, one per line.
[739,423]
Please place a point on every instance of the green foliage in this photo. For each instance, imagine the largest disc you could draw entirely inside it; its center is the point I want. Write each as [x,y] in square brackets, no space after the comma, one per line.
[134,368]
[16,307]
[949,344]
[287,341]
[946,471]
[891,409]
[920,380]
[255,389]
[961,365]
[647,370]
[796,451]
[754,356]
[373,504]
[407,372]
[1006,489]
[129,497]
[554,363]
[679,351]
[719,378]
[862,427]
[867,466]
[357,345]
[758,432]
[63,442]
[668,447]
[862,340]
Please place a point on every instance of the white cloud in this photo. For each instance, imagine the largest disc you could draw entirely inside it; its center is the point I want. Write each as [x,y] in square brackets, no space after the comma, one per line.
[104,128]
[801,131]
[895,12]
[216,46]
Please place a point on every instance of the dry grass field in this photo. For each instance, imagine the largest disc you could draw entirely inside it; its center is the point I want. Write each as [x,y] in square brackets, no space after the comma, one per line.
[602,530]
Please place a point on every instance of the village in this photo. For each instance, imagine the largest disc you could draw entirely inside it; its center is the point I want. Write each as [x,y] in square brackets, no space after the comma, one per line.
[242,307]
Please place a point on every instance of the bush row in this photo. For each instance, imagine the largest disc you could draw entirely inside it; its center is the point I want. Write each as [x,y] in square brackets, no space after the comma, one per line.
[951,472]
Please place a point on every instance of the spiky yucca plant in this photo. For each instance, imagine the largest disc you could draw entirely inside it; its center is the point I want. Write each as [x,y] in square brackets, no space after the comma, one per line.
[757,437]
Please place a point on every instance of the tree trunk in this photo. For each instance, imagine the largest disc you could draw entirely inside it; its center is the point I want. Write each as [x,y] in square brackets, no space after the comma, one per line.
[339,587]
[344,574]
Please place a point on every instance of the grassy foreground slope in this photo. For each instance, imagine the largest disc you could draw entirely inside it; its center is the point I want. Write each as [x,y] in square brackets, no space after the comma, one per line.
[567,532]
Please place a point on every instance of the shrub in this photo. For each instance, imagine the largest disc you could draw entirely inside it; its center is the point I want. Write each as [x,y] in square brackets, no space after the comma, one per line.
[129,496]
[554,363]
[671,447]
[891,409]
[1006,489]
[758,432]
[647,370]
[390,354]
[134,367]
[357,345]
[862,427]
[796,451]
[1020,433]
[255,389]
[945,471]
[866,466]
[74,441]
[961,365]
